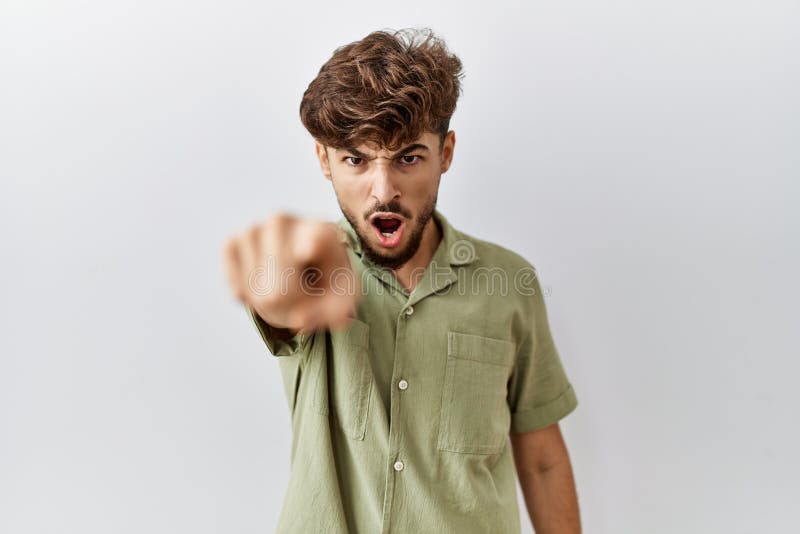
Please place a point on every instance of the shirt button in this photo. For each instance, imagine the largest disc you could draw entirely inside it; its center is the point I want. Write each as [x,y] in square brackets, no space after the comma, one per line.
[398,465]
[402,385]
[409,310]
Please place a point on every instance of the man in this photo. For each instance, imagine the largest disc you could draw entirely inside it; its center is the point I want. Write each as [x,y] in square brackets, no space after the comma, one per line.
[409,350]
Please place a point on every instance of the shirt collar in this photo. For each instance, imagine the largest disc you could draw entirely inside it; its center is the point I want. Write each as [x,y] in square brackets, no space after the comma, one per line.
[455,247]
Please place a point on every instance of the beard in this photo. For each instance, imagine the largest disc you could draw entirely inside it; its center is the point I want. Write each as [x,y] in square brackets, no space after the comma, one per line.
[415,226]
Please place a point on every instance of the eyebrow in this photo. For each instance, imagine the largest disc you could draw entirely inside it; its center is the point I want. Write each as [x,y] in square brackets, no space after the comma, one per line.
[402,152]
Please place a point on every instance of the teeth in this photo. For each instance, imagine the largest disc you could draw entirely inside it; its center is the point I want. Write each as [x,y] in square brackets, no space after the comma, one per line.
[387,234]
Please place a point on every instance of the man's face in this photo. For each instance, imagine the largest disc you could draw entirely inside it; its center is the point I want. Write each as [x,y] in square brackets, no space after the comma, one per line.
[388,197]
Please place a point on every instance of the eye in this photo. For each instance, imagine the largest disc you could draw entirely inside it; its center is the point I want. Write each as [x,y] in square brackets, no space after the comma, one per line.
[410,159]
[355,160]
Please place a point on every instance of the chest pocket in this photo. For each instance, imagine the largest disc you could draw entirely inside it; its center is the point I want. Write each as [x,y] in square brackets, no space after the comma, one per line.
[474,415]
[345,395]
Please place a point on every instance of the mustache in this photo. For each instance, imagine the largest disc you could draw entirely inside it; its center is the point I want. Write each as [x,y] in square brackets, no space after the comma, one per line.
[391,207]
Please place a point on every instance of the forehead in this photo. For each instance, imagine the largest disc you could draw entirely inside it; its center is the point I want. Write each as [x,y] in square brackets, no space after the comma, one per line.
[428,139]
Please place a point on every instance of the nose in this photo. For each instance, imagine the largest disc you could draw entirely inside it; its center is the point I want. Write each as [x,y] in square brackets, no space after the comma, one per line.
[383,186]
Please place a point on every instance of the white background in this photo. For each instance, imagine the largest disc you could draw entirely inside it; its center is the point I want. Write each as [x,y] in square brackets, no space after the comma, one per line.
[643,155]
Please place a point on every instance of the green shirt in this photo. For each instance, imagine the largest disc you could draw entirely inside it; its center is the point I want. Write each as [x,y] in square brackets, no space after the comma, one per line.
[401,420]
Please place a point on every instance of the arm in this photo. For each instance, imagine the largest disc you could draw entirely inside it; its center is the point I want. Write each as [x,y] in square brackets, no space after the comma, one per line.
[545,475]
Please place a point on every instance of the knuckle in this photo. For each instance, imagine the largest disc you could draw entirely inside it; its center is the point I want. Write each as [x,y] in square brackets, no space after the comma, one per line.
[229,247]
[323,236]
[279,219]
[252,235]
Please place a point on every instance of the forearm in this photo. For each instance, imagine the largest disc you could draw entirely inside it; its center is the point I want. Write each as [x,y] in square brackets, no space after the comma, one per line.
[551,499]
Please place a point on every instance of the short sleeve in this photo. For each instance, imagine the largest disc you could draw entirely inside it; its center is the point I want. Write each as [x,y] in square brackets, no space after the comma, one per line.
[276,345]
[539,391]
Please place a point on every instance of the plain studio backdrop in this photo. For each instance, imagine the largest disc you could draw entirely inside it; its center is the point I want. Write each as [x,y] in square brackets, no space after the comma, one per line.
[642,155]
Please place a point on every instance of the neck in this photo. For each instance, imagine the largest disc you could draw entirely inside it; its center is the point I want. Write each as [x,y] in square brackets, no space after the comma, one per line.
[410,273]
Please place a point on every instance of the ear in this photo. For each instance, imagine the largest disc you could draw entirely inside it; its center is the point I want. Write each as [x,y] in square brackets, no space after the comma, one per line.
[322,155]
[448,146]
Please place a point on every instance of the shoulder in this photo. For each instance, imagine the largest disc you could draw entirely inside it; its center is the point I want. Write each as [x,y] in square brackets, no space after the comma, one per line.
[505,272]
[490,254]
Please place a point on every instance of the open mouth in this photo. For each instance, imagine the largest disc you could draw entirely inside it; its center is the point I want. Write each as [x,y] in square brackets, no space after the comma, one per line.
[388,228]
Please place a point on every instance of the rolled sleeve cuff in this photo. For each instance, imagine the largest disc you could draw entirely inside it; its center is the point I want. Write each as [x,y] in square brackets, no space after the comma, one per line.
[276,345]
[545,414]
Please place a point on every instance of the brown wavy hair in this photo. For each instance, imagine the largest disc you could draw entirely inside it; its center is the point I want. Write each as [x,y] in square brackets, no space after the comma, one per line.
[388,88]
